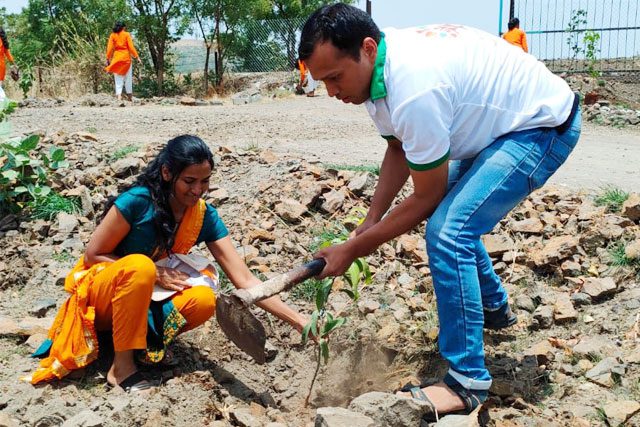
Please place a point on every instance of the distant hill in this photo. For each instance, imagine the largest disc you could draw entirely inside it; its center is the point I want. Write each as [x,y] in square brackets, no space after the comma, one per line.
[190,55]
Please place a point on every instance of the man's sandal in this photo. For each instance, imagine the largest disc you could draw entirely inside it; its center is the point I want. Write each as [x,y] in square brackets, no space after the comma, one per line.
[133,383]
[471,398]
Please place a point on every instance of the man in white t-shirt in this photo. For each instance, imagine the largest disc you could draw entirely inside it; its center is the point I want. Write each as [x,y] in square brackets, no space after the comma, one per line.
[478,125]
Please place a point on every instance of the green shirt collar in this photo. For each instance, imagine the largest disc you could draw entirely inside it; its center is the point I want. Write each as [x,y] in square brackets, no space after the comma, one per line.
[378,88]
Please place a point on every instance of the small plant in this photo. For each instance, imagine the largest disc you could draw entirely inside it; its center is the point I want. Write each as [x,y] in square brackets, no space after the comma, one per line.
[306,291]
[122,152]
[47,207]
[617,252]
[23,176]
[591,39]
[252,146]
[612,198]
[574,28]
[8,107]
[374,169]
[26,81]
[63,257]
[322,322]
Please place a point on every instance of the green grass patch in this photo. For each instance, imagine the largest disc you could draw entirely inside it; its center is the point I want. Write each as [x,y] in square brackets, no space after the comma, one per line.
[306,290]
[619,258]
[122,152]
[612,198]
[224,284]
[49,206]
[63,257]
[374,169]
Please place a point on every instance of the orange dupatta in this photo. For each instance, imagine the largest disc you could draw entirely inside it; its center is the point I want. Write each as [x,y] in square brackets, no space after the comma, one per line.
[72,337]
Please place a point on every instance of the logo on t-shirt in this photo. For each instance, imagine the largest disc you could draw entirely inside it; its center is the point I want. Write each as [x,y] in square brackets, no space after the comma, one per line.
[442,30]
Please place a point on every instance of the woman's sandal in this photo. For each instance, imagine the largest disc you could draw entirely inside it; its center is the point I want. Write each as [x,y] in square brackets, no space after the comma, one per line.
[133,383]
[471,398]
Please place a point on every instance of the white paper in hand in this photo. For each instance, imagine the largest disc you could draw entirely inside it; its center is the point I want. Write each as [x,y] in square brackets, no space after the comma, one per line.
[200,270]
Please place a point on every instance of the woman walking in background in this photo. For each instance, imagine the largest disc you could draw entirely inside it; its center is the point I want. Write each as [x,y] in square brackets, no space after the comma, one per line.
[4,56]
[119,52]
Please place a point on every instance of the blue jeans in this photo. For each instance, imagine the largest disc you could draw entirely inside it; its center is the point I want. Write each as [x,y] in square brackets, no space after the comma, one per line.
[482,190]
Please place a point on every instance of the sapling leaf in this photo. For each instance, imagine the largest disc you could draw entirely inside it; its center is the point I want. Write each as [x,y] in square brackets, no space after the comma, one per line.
[324,350]
[29,143]
[331,325]
[310,327]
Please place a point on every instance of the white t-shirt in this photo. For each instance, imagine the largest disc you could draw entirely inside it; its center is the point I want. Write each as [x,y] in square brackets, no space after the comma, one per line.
[449,91]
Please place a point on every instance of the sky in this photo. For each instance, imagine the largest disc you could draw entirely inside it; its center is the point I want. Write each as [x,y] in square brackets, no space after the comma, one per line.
[403,13]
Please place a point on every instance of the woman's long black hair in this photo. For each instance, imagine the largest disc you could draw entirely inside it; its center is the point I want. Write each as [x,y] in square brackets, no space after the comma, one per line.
[179,153]
[3,36]
[118,26]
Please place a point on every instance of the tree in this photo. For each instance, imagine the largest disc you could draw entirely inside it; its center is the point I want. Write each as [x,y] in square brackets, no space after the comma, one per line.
[155,19]
[219,22]
[288,15]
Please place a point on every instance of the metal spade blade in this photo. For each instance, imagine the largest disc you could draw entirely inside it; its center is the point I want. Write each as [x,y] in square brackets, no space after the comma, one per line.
[237,321]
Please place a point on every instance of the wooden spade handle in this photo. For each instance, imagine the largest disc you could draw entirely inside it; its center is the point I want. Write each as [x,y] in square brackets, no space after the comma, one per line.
[271,287]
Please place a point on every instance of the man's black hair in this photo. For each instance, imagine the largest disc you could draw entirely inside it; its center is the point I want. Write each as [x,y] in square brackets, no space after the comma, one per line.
[514,22]
[343,25]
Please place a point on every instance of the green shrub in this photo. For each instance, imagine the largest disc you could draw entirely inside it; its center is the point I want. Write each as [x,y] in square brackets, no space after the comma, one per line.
[612,198]
[47,207]
[24,176]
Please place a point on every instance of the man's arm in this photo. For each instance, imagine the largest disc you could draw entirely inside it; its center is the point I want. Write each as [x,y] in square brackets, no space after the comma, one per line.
[393,175]
[430,187]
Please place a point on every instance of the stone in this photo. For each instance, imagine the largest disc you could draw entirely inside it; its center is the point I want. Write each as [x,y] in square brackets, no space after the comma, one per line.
[262,235]
[35,340]
[555,250]
[341,417]
[9,222]
[543,351]
[527,226]
[580,299]
[594,347]
[7,421]
[218,196]
[248,253]
[86,418]
[41,306]
[525,302]
[243,98]
[66,223]
[632,250]
[333,201]
[599,288]
[187,100]
[26,327]
[631,207]
[563,311]
[361,183]
[470,420]
[571,268]
[125,167]
[497,244]
[368,306]
[268,157]
[290,210]
[619,412]
[390,410]
[602,373]
[244,418]
[543,316]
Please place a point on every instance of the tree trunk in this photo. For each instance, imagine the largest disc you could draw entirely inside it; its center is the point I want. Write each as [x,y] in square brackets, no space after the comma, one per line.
[206,69]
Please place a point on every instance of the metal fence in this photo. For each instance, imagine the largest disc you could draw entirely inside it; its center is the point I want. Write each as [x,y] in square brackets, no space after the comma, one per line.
[255,46]
[583,36]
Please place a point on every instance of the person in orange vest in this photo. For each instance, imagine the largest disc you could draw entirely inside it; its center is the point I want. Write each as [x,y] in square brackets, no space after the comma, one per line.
[120,49]
[307,84]
[515,35]
[4,56]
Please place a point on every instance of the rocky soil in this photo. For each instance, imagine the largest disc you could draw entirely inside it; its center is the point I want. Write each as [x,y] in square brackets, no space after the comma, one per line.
[571,268]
